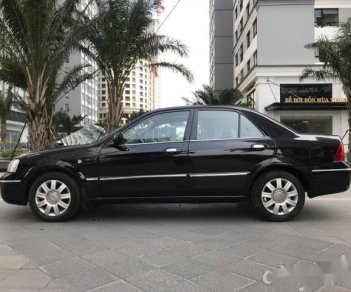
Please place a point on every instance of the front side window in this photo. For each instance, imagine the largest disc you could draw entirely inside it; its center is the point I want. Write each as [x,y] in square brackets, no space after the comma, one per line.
[165,127]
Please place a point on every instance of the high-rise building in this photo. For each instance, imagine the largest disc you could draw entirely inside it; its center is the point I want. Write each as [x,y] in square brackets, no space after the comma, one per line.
[269,57]
[140,91]
[83,100]
[221,44]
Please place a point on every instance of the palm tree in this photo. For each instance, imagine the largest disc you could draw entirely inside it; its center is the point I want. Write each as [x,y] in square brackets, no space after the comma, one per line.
[64,121]
[37,39]
[5,108]
[120,36]
[336,55]
[208,96]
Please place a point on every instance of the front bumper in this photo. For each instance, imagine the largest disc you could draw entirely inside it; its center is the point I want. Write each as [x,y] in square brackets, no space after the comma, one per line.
[330,181]
[13,191]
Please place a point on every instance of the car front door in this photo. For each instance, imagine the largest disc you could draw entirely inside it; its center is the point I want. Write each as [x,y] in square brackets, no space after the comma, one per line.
[152,161]
[225,147]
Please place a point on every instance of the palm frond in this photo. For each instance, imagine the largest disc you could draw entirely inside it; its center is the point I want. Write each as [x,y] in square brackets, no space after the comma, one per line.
[178,68]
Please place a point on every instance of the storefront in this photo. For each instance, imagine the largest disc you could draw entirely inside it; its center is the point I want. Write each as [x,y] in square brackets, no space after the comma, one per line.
[311,109]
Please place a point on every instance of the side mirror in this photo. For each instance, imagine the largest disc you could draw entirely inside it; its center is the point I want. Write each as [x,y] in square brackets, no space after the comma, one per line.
[118,139]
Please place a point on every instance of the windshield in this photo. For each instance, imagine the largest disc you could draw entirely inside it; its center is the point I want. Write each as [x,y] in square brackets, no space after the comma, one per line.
[85,135]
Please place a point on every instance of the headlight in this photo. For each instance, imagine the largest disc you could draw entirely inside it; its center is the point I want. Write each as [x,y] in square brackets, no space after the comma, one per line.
[13,165]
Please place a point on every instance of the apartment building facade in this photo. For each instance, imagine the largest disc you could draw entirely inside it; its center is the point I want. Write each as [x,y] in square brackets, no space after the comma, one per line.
[269,38]
[83,100]
[221,44]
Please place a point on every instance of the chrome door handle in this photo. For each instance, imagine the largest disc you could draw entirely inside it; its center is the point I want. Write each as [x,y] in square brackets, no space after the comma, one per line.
[258,147]
[173,150]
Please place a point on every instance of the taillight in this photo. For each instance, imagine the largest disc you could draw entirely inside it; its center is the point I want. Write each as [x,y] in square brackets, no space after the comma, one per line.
[340,154]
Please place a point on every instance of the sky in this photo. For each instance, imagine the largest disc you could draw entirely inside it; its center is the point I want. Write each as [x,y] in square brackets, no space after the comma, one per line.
[189,23]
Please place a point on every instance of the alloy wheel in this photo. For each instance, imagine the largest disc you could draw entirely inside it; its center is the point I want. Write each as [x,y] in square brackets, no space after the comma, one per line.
[53,198]
[279,196]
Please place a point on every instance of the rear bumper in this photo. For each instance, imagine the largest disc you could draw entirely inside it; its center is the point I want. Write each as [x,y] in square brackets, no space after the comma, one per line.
[330,181]
[13,191]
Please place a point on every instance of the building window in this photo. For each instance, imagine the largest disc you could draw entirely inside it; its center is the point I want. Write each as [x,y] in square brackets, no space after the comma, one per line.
[241,5]
[248,39]
[254,28]
[127,85]
[103,91]
[309,124]
[103,104]
[255,58]
[248,66]
[103,85]
[247,11]
[241,25]
[236,60]
[236,81]
[127,92]
[326,17]
[241,53]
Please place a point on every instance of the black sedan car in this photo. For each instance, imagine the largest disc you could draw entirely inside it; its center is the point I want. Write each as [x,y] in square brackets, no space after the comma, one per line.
[184,154]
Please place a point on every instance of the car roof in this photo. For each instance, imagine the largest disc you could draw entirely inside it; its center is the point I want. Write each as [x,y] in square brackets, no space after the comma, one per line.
[187,107]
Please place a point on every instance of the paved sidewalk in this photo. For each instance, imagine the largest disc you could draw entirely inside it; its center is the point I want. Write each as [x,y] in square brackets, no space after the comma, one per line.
[180,248]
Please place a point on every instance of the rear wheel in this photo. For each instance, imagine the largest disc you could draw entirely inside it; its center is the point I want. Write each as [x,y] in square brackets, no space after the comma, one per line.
[278,196]
[54,197]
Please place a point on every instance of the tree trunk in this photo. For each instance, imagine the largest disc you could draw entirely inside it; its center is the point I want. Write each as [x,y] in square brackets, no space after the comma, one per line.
[115,108]
[3,130]
[40,130]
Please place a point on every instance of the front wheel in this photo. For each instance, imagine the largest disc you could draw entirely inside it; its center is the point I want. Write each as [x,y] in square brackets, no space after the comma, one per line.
[54,197]
[277,196]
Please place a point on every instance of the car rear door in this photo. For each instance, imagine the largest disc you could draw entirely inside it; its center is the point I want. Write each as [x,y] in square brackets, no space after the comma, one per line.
[153,160]
[224,149]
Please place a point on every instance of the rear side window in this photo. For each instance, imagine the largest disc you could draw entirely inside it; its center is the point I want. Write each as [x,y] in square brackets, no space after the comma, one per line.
[248,129]
[218,125]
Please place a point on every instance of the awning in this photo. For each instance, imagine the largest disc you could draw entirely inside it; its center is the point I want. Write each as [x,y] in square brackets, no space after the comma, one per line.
[279,106]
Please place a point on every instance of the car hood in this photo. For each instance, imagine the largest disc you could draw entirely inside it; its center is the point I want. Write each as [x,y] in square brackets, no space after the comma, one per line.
[56,152]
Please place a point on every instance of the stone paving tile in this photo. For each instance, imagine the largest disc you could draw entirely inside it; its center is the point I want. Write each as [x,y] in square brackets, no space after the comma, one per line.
[244,249]
[66,267]
[221,258]
[189,268]
[31,279]
[188,286]
[332,289]
[118,286]
[338,249]
[260,287]
[87,280]
[12,262]
[107,257]
[250,269]
[140,249]
[79,245]
[223,281]
[155,280]
[273,259]
[39,250]
[173,255]
[5,250]
[110,239]
[297,251]
[128,267]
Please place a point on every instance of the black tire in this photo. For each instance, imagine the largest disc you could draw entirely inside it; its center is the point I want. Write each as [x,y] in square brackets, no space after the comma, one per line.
[260,189]
[71,188]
